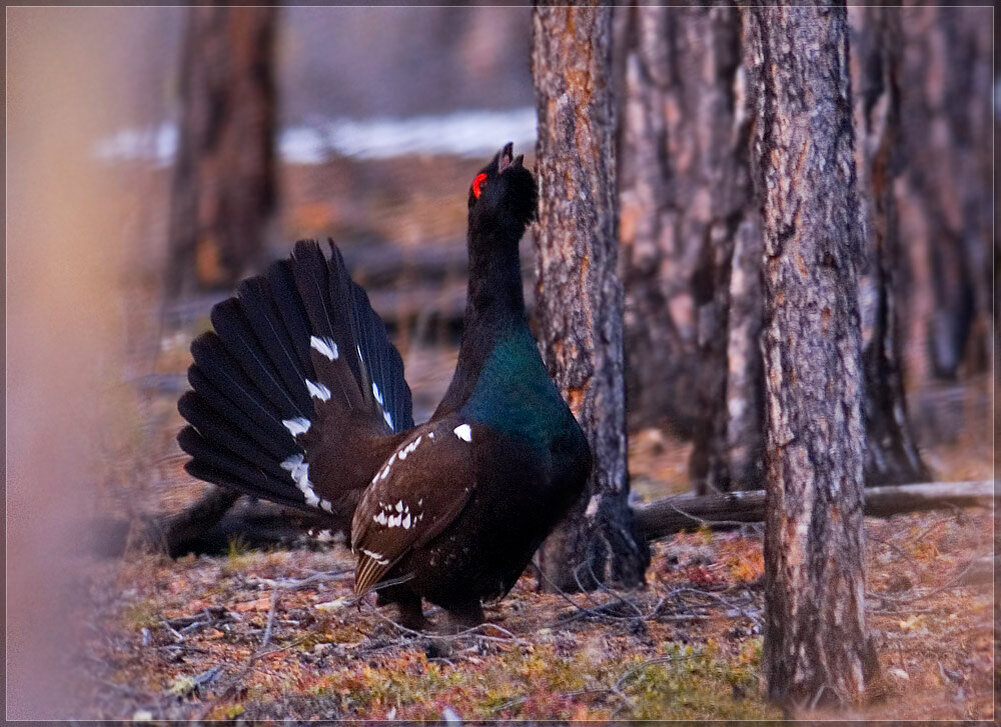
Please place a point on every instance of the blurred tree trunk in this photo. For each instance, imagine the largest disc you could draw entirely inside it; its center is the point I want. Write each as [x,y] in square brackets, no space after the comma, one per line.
[223,195]
[578,295]
[817,650]
[691,238]
[891,453]
[660,248]
[946,113]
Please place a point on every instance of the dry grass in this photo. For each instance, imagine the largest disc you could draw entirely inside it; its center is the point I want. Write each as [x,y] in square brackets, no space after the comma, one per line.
[263,635]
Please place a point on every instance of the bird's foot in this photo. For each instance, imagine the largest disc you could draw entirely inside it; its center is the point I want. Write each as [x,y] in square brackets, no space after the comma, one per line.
[464,616]
[410,615]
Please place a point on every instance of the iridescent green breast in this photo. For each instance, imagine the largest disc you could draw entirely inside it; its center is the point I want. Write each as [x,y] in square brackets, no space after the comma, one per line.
[515,396]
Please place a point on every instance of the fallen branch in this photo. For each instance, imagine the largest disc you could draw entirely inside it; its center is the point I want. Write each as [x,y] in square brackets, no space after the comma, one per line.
[670,515]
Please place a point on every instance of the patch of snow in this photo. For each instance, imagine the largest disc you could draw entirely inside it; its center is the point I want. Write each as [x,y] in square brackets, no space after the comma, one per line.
[468,133]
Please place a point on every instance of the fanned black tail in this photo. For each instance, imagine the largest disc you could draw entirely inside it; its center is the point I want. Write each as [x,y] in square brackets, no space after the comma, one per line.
[297,360]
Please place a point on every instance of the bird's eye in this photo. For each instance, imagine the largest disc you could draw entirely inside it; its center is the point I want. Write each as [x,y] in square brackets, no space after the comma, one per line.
[478,183]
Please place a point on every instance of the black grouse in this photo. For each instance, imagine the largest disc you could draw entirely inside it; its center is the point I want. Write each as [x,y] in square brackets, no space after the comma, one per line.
[298,397]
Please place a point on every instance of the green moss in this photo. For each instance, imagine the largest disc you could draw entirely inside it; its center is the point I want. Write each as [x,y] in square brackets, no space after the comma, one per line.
[238,557]
[534,683]
[698,684]
[141,614]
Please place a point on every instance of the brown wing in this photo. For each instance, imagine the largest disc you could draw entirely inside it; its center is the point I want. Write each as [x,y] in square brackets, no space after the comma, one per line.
[418,491]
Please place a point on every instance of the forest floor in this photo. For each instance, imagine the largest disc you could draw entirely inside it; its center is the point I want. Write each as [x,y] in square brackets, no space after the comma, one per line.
[269,635]
[256,635]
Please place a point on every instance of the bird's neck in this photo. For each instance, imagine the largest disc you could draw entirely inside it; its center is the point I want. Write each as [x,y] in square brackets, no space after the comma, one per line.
[495,307]
[494,295]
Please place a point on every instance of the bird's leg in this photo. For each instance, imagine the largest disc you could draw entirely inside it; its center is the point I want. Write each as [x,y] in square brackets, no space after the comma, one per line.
[464,616]
[408,604]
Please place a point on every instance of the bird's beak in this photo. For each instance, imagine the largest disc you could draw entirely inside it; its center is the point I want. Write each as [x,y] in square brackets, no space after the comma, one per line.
[505,157]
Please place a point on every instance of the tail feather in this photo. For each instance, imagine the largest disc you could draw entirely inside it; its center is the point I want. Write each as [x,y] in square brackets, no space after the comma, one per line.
[381,359]
[239,340]
[332,338]
[312,280]
[289,304]
[263,316]
[297,371]
[234,416]
[212,463]
[228,376]
[218,429]
[340,290]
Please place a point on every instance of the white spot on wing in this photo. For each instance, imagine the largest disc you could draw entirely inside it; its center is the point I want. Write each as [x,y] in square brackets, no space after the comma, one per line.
[388,418]
[377,557]
[320,391]
[297,426]
[326,346]
[464,432]
[376,393]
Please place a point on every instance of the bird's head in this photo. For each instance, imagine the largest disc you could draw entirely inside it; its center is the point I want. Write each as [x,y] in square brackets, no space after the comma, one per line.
[503,194]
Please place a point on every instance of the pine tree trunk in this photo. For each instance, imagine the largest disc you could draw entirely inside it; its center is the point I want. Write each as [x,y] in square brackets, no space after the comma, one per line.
[816,649]
[578,295]
[891,453]
[691,238]
[223,194]
[946,128]
[659,245]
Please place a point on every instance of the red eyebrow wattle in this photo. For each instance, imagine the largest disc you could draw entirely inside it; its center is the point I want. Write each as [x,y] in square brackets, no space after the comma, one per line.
[480,179]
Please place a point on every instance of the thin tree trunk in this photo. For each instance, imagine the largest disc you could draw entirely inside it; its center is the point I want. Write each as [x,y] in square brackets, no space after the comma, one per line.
[691,238]
[946,128]
[816,649]
[891,453]
[722,178]
[660,242]
[223,195]
[578,296]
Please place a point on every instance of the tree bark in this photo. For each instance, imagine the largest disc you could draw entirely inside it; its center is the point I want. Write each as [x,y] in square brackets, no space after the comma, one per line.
[223,195]
[691,238]
[578,295]
[817,650]
[946,128]
[891,453]
[660,248]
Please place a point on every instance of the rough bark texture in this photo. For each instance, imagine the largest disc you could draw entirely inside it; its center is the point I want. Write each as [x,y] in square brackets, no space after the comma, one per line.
[816,648]
[223,192]
[690,237]
[891,453]
[578,295]
[946,128]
